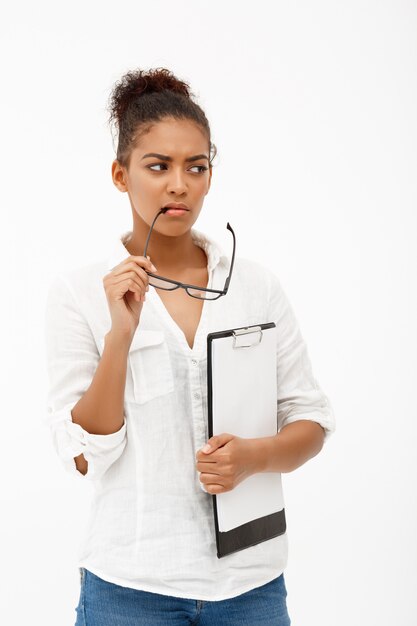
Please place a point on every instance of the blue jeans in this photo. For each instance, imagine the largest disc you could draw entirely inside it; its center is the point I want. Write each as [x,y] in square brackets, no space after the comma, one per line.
[105,604]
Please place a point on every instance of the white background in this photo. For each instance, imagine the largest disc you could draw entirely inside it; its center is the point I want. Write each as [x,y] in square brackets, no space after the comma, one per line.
[312,106]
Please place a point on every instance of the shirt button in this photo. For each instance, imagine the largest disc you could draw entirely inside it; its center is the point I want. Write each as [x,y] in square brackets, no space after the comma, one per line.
[194,361]
[196,396]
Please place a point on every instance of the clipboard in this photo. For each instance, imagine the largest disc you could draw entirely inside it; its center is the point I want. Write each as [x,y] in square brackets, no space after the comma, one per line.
[242,399]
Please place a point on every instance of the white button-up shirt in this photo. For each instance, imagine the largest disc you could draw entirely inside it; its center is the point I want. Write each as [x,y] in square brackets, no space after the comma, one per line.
[151,524]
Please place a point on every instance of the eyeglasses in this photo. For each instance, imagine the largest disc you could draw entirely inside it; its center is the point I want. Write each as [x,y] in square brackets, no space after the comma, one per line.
[160,282]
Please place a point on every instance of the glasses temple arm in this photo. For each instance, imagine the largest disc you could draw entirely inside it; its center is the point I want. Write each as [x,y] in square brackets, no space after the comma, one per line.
[163,210]
[226,284]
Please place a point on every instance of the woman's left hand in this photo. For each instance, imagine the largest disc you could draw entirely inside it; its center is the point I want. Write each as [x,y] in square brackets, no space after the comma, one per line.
[230,460]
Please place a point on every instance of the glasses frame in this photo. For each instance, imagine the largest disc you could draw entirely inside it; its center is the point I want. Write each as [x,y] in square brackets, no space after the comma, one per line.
[220,292]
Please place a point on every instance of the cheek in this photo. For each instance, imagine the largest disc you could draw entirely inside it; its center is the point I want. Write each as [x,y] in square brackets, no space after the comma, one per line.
[148,185]
[204,184]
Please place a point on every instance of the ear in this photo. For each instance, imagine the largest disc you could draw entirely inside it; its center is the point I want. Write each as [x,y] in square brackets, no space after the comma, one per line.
[118,174]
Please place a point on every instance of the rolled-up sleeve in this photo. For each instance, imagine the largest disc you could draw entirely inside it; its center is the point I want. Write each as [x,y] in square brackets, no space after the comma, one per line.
[299,395]
[72,359]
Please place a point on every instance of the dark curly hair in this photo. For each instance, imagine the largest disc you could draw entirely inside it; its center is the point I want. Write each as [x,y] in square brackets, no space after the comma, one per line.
[141,98]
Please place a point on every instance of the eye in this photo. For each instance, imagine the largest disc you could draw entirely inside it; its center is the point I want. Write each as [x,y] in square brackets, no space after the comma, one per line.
[203,168]
[155,165]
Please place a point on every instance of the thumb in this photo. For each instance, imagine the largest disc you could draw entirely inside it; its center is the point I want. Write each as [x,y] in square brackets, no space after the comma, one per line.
[216,442]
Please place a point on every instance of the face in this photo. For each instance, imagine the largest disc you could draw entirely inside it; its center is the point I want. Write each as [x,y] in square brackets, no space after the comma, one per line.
[151,182]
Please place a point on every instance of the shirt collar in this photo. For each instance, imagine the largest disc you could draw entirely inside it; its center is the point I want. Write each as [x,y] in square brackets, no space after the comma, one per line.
[213,250]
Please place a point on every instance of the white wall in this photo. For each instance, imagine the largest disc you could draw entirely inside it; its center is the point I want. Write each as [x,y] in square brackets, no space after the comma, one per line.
[312,107]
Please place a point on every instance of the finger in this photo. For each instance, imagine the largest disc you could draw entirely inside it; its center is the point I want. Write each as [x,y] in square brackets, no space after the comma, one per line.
[206,478]
[216,441]
[213,483]
[119,289]
[132,266]
[202,466]
[214,489]
[141,261]
[132,275]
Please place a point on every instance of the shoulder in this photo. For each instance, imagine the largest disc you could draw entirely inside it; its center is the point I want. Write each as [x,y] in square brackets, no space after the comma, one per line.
[78,294]
[254,274]
[79,291]
[260,287]
[81,280]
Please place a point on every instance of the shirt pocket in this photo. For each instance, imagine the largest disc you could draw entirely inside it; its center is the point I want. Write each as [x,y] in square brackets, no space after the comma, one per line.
[150,366]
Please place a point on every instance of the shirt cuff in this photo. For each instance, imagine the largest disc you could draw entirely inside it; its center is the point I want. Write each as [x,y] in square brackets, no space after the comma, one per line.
[71,440]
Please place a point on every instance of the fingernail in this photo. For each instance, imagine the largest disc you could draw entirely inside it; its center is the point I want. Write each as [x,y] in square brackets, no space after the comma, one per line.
[206,448]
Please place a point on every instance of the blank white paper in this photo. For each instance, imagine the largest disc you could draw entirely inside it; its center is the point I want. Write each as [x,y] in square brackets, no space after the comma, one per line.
[244,383]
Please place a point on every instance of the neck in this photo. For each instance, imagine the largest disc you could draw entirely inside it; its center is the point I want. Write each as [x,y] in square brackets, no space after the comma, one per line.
[168,254]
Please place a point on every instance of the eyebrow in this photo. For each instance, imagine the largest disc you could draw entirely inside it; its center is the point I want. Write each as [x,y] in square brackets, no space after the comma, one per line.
[164,157]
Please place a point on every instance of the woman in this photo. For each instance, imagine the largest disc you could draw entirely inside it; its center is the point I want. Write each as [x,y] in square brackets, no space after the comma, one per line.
[128,399]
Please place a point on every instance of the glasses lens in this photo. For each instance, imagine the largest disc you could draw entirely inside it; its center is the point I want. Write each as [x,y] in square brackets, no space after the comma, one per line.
[204,295]
[161,284]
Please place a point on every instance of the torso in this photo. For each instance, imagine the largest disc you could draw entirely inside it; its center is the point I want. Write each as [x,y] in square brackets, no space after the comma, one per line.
[184,309]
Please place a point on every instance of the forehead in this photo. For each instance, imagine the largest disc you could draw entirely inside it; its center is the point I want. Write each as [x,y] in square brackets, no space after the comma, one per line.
[170,137]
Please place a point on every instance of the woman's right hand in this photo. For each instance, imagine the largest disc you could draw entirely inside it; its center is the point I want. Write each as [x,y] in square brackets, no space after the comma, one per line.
[125,287]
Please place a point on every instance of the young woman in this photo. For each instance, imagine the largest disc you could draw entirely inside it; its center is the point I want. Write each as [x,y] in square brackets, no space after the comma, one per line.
[126,345]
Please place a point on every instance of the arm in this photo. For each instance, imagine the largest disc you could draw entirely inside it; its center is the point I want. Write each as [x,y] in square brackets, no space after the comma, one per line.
[295,444]
[300,398]
[232,459]
[305,418]
[100,410]
[85,396]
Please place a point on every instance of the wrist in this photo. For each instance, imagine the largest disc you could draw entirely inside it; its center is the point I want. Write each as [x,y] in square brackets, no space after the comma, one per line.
[260,450]
[268,454]
[118,338]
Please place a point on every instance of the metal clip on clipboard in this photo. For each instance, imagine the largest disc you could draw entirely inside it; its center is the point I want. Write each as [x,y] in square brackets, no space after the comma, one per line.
[245,331]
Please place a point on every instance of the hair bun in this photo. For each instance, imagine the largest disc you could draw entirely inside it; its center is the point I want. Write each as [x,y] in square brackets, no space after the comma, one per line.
[142,98]
[136,83]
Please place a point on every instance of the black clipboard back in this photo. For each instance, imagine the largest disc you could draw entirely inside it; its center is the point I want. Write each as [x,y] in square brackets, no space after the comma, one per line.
[269,526]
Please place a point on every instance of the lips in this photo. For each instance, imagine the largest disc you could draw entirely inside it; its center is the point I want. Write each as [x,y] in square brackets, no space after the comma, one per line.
[176,205]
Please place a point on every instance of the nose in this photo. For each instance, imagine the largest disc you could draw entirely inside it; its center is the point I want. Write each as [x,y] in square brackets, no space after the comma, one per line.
[176,183]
